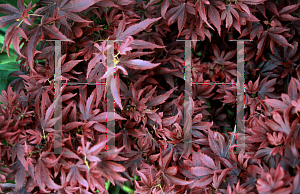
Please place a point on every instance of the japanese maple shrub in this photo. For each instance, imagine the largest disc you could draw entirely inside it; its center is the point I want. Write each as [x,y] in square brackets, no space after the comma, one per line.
[147,83]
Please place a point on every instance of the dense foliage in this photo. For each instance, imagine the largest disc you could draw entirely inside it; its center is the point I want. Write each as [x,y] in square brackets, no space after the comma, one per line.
[149,96]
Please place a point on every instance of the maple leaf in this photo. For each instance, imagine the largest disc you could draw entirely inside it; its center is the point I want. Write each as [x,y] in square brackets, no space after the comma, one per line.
[95,179]
[19,151]
[137,109]
[110,169]
[75,176]
[179,14]
[296,182]
[236,189]
[218,180]
[128,60]
[209,8]
[8,98]
[272,35]
[113,80]
[89,153]
[218,144]
[15,14]
[283,14]
[202,91]
[287,99]
[276,140]
[252,2]
[296,105]
[164,6]
[221,58]
[148,41]
[218,117]
[125,46]
[20,174]
[138,64]
[11,35]
[64,9]
[227,94]
[39,32]
[272,182]
[161,98]
[45,121]
[168,173]
[231,16]
[92,118]
[98,57]
[287,59]
[266,88]
[148,182]
[206,171]
[36,87]
[35,136]
[193,32]
[283,126]
[141,147]
[259,131]
[42,173]
[133,29]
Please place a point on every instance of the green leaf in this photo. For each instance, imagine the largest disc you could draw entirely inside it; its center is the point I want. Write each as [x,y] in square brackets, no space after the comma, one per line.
[7,66]
[26,2]
[11,2]
[107,185]
[5,142]
[127,189]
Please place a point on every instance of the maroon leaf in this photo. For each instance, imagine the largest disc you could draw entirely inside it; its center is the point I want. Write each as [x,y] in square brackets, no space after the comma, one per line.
[77,5]
[136,28]
[139,64]
[160,99]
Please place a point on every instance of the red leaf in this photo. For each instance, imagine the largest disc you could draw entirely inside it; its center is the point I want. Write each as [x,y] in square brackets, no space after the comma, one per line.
[140,44]
[136,28]
[75,176]
[69,65]
[139,64]
[54,33]
[160,99]
[164,6]
[78,5]
[178,14]
[31,47]
[207,161]
[280,40]
[8,9]
[178,181]
[203,182]
[42,177]
[214,17]
[201,171]
[70,126]
[170,120]
[114,84]
[107,116]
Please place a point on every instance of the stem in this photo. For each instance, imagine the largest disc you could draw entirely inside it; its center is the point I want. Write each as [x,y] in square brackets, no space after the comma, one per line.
[161,189]
[44,134]
[20,23]
[36,15]
[86,162]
